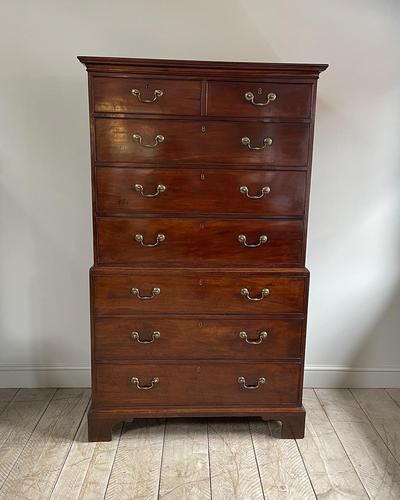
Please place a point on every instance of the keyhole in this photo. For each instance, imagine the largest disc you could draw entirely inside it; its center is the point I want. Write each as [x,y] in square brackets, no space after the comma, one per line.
[259,91]
[203,128]
[202,176]
[146,85]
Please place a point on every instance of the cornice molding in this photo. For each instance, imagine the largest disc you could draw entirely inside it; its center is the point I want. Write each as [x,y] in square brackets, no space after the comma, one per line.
[200,68]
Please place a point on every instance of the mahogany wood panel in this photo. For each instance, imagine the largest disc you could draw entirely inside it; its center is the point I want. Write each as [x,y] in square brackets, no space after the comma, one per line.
[199,190]
[200,338]
[197,383]
[199,242]
[114,95]
[186,142]
[196,293]
[228,99]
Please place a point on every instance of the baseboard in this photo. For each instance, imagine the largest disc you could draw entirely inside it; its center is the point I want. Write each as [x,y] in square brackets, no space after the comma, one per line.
[344,376]
[44,376]
[315,376]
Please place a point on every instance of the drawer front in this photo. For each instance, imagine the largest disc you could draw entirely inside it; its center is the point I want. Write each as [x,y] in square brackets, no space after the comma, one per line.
[155,141]
[259,99]
[135,95]
[197,293]
[199,190]
[128,339]
[201,383]
[199,242]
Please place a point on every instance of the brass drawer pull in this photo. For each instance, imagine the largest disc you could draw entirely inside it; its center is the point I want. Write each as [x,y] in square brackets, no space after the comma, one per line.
[136,337]
[140,239]
[135,381]
[157,94]
[242,382]
[261,240]
[261,337]
[154,291]
[246,293]
[159,138]
[249,96]
[160,189]
[267,141]
[264,190]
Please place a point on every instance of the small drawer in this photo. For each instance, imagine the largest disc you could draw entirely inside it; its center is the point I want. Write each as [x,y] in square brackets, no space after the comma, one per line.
[197,383]
[196,142]
[259,99]
[182,291]
[143,338]
[199,242]
[135,95]
[124,191]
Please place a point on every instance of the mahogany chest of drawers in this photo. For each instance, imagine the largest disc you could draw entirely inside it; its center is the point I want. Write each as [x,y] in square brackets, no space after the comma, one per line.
[200,181]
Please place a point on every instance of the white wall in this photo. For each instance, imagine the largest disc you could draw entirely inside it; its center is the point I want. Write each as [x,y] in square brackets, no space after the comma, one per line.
[45,221]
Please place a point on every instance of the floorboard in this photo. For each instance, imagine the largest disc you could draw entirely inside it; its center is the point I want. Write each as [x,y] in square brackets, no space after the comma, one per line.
[384,415]
[136,469]
[395,395]
[234,471]
[17,423]
[281,468]
[331,472]
[372,460]
[185,472]
[37,469]
[86,471]
[6,396]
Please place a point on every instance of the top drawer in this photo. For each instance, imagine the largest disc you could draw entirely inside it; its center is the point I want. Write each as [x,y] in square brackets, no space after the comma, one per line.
[259,99]
[134,95]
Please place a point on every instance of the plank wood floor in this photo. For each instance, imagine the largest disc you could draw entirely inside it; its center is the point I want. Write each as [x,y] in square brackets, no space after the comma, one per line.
[351,451]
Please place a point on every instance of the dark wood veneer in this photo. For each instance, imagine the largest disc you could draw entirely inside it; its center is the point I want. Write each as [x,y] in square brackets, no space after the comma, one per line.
[197,338]
[226,99]
[114,95]
[197,292]
[197,383]
[201,267]
[195,190]
[185,141]
[187,241]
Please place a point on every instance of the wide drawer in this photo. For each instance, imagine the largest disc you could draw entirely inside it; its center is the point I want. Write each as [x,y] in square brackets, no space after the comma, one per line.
[141,337]
[130,190]
[259,99]
[175,291]
[136,95]
[196,383]
[199,242]
[155,141]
